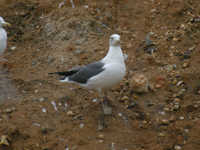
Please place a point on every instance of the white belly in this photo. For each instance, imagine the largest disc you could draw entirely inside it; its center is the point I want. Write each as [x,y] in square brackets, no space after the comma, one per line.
[111,76]
[3,40]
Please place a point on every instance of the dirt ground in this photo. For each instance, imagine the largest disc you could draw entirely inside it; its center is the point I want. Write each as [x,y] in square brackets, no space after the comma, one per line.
[45,38]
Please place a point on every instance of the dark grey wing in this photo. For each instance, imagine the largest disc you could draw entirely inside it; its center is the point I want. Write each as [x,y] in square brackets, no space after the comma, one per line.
[67,73]
[86,72]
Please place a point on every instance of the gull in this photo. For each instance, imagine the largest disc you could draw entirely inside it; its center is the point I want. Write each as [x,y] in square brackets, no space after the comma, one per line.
[100,75]
[3,37]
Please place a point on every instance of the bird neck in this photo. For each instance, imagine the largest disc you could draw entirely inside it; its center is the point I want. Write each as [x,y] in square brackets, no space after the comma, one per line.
[114,55]
[3,32]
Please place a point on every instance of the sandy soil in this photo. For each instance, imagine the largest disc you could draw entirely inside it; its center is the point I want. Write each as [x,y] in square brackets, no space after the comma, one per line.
[44,38]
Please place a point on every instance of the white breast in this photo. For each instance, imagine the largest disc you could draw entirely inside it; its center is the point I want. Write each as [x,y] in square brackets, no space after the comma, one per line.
[112,75]
[3,40]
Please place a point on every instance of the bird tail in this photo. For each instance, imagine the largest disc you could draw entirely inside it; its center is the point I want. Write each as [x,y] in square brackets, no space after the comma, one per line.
[64,75]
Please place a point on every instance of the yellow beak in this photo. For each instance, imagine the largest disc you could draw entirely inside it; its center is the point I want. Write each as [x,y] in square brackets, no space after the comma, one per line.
[6,24]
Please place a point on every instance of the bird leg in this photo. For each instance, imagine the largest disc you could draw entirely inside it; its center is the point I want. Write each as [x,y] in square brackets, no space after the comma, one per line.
[106,106]
[106,109]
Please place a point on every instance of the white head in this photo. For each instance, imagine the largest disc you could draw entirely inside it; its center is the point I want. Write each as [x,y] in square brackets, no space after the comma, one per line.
[3,22]
[115,40]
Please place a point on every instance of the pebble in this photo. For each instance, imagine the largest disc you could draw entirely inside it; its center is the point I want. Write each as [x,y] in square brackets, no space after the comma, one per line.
[9,110]
[179,83]
[185,65]
[186,130]
[177,147]
[13,48]
[78,51]
[139,83]
[133,104]
[164,121]
[101,141]
[81,125]
[177,100]
[70,113]
[4,140]
[44,110]
[166,109]
[157,86]
[54,105]
[94,100]
[101,136]
[124,98]
[176,107]
[161,134]
[41,99]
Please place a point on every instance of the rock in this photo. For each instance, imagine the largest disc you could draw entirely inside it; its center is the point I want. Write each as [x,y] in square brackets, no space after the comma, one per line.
[4,140]
[70,113]
[9,110]
[132,105]
[78,51]
[13,48]
[185,65]
[124,98]
[100,136]
[177,147]
[161,134]
[81,125]
[180,83]
[165,122]
[139,83]
[176,107]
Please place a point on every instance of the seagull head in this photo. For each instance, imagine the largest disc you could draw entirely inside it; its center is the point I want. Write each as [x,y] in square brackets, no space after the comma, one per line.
[115,40]
[3,22]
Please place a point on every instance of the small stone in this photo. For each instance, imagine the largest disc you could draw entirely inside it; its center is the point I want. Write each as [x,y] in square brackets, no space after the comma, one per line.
[101,141]
[161,134]
[94,100]
[41,99]
[177,100]
[164,121]
[13,48]
[4,140]
[139,83]
[181,118]
[101,136]
[124,98]
[179,83]
[177,147]
[176,107]
[186,130]
[185,65]
[78,51]
[44,110]
[132,105]
[166,109]
[157,86]
[10,110]
[81,125]
[70,113]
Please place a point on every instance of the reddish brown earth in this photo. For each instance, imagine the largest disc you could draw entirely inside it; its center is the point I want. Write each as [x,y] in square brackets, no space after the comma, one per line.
[44,38]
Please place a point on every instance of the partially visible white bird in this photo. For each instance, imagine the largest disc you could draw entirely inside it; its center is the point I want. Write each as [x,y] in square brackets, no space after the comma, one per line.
[100,75]
[3,36]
